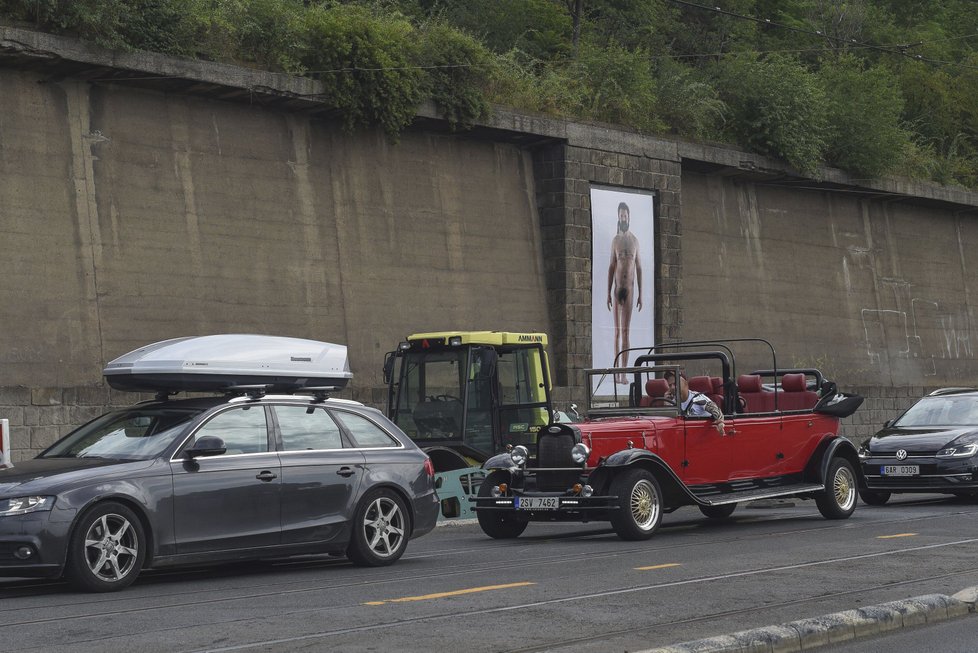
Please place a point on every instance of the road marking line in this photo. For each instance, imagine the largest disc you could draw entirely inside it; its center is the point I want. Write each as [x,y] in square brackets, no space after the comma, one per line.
[441,595]
[889,537]
[669,564]
[583,597]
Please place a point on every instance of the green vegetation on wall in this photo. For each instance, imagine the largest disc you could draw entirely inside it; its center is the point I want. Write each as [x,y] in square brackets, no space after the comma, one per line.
[871,86]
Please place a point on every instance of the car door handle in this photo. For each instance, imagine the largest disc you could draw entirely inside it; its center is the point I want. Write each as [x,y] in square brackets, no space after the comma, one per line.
[346,471]
[267,476]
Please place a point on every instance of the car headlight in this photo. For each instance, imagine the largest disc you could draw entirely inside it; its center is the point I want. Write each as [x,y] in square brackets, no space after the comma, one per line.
[958,451]
[580,453]
[24,505]
[519,454]
[864,452]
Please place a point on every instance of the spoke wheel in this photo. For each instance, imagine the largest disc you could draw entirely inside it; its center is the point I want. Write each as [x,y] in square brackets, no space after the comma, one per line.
[381,529]
[107,549]
[639,511]
[838,500]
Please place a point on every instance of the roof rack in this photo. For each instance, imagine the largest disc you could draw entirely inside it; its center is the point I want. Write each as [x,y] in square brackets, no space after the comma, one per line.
[319,393]
[254,392]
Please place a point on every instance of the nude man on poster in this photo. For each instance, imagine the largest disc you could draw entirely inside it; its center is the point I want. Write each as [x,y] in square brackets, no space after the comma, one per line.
[624,278]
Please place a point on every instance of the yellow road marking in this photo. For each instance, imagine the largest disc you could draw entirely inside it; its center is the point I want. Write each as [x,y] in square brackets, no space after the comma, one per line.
[671,564]
[890,537]
[441,595]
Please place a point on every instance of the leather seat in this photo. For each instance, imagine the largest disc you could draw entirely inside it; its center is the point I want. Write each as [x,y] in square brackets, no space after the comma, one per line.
[707,385]
[758,400]
[654,389]
[796,395]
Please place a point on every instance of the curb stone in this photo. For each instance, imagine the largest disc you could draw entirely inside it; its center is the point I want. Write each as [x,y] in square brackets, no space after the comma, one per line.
[455,523]
[806,634]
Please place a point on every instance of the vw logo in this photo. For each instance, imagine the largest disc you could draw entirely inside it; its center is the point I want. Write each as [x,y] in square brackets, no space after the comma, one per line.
[901,454]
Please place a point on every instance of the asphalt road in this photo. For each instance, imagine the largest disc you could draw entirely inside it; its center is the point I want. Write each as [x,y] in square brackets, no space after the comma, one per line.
[563,588]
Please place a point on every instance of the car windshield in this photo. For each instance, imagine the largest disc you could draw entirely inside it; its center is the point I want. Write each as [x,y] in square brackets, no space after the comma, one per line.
[138,433]
[960,410]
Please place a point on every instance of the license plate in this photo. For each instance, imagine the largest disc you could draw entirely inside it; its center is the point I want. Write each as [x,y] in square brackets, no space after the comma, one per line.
[536,503]
[900,470]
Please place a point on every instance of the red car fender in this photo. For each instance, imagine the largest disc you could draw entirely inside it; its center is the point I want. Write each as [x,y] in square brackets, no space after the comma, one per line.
[672,486]
[818,465]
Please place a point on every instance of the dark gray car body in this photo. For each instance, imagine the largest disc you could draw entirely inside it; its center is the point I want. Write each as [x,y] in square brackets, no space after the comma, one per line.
[220,508]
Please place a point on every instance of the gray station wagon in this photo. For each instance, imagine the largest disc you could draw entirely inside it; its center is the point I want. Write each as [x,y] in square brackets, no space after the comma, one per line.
[224,478]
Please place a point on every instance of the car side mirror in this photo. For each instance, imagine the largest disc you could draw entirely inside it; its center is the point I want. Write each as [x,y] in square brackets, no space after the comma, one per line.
[888,423]
[208,445]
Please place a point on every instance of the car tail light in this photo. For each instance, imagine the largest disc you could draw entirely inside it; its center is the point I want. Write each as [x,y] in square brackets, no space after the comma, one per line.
[429,467]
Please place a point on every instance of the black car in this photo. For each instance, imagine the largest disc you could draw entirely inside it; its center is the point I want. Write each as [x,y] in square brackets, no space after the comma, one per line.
[173,482]
[932,447]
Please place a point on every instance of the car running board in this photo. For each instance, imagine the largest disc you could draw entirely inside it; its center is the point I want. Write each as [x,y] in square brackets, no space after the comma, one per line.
[764,493]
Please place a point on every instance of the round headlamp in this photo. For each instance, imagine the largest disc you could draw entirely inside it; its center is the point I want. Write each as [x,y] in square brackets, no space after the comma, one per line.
[580,453]
[519,454]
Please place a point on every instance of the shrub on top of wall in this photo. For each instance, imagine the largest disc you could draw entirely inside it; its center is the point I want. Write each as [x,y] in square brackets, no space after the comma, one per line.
[458,69]
[368,64]
[777,107]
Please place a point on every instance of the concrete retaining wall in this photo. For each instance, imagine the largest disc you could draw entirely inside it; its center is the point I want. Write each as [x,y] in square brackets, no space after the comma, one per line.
[136,205]
[130,216]
[874,292]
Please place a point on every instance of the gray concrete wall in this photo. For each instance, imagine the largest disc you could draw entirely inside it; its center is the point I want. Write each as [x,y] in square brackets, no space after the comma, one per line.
[130,216]
[145,197]
[871,291]
[875,293]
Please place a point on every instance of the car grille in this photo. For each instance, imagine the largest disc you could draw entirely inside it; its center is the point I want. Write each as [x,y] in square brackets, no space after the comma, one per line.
[554,450]
[921,482]
[911,453]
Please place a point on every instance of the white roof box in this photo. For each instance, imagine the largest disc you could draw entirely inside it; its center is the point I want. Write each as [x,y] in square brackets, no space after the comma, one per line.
[219,362]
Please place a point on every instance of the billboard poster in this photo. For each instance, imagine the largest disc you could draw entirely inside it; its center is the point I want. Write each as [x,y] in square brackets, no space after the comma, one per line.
[623,278]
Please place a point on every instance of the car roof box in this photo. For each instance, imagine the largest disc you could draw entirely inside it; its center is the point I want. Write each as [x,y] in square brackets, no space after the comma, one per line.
[218,363]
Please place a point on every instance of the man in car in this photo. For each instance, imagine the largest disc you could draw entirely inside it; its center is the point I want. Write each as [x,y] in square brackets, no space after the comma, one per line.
[692,403]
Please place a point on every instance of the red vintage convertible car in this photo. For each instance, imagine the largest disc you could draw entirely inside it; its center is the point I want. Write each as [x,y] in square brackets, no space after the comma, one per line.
[637,456]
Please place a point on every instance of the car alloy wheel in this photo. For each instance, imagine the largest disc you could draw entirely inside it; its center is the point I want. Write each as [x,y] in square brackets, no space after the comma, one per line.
[106,551]
[381,528]
[644,504]
[111,547]
[844,486]
[639,511]
[838,500]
